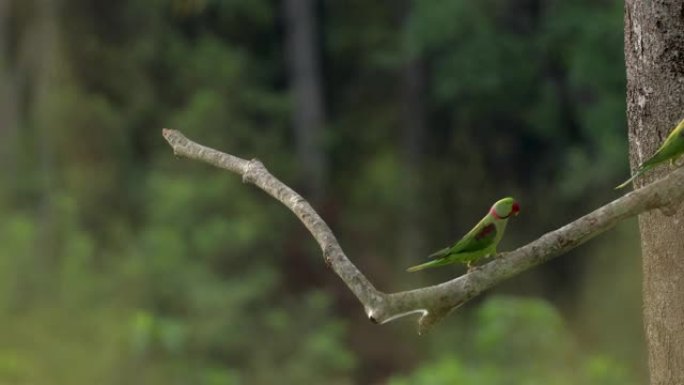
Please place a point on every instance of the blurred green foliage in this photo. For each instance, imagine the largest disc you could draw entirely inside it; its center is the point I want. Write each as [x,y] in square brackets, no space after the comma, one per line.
[120,264]
[518,341]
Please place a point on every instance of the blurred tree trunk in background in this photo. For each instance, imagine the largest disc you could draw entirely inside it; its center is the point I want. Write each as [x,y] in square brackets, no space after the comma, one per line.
[8,98]
[413,120]
[654,45]
[28,65]
[41,52]
[307,93]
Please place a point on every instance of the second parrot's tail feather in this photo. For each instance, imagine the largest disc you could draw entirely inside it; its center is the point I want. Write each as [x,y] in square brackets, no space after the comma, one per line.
[636,174]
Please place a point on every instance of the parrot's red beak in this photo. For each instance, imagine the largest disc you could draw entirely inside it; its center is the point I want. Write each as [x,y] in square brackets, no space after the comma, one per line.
[516,208]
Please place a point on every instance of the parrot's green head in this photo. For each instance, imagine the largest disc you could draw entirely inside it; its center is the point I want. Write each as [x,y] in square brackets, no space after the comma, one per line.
[504,208]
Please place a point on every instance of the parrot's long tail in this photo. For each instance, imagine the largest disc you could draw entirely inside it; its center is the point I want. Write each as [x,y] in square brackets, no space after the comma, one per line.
[433,263]
[638,172]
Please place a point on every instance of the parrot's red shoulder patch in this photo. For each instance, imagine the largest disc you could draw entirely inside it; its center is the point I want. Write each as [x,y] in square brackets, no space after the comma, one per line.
[487,230]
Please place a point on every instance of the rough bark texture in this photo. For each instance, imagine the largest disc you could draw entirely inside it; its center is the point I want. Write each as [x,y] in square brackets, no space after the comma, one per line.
[654,55]
[435,302]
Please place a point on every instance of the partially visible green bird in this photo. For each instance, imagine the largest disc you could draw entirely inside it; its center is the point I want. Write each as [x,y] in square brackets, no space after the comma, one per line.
[480,242]
[672,148]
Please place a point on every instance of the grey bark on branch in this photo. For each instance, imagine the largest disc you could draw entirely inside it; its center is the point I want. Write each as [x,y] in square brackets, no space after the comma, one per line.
[435,302]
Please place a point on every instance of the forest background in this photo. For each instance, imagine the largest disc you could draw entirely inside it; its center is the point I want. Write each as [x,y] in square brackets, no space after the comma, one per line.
[401,121]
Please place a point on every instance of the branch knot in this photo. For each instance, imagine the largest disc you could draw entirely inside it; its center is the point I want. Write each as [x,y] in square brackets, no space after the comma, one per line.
[328,252]
[249,175]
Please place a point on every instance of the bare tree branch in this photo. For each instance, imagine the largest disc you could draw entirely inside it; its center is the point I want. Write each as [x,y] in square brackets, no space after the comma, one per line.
[435,302]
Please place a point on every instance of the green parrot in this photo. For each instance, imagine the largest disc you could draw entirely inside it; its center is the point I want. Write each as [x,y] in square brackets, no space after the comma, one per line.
[480,242]
[671,149]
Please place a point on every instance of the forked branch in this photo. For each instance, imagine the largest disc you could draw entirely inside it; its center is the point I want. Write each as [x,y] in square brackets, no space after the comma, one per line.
[435,302]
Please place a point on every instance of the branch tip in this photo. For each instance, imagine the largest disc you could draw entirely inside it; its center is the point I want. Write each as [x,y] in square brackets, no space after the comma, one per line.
[168,133]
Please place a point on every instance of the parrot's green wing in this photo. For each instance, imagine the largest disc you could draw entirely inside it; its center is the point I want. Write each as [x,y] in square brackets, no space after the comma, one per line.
[439,254]
[479,238]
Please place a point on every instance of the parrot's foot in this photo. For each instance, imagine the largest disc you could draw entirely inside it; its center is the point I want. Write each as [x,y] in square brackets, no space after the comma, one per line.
[679,162]
[472,268]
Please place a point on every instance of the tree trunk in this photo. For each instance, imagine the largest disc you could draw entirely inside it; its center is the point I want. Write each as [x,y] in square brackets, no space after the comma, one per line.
[654,55]
[305,83]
